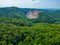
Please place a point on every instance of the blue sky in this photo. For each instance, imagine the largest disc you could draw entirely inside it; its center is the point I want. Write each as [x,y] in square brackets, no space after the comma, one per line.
[31,3]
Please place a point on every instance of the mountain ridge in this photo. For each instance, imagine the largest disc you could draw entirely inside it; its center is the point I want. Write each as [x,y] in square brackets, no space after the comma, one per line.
[14,12]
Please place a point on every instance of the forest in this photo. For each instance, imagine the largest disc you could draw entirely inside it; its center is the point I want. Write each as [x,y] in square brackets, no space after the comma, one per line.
[17,29]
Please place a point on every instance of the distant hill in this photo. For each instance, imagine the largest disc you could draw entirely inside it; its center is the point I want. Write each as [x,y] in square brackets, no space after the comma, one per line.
[46,15]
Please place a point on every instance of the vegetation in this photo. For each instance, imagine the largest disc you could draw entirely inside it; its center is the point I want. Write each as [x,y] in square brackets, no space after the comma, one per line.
[19,30]
[38,34]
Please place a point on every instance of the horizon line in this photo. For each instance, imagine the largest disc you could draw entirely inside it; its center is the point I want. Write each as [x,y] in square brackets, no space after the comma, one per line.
[27,7]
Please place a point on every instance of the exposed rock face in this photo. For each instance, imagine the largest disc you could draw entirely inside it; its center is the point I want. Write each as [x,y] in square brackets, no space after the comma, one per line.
[33,14]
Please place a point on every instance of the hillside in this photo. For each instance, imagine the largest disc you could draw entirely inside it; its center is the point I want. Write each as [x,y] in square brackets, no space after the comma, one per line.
[45,15]
[17,29]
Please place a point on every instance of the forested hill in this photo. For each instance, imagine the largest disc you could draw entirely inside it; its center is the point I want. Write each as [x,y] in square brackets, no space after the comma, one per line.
[45,15]
[17,29]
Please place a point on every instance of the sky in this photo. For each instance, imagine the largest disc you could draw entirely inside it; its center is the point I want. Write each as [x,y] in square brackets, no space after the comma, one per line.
[30,3]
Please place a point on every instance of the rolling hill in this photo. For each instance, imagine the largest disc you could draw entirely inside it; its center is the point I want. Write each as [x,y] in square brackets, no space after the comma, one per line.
[49,16]
[17,29]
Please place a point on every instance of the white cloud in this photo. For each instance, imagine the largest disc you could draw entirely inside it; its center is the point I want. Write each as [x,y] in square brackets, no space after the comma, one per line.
[31,3]
[18,3]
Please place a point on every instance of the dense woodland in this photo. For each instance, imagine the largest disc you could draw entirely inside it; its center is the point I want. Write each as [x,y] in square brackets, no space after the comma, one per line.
[17,29]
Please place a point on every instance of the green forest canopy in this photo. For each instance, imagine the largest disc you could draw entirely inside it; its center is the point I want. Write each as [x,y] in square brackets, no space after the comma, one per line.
[16,29]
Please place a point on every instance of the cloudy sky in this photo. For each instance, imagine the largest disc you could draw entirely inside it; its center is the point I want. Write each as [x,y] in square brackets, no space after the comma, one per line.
[31,3]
